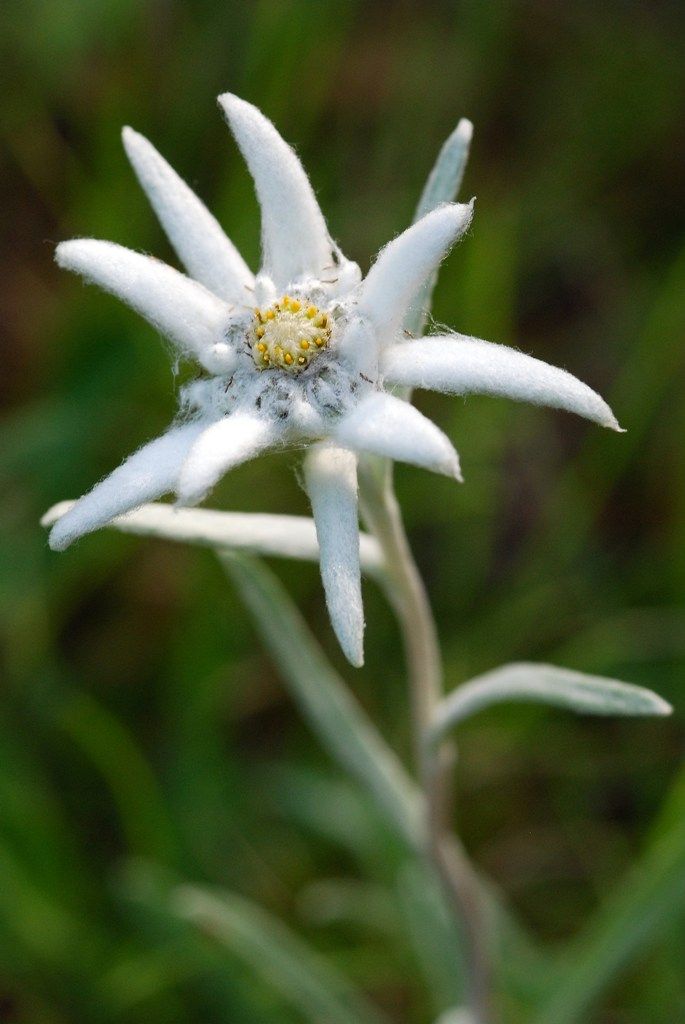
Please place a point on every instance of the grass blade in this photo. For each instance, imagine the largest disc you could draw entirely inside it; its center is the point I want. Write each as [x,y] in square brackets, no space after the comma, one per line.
[651,897]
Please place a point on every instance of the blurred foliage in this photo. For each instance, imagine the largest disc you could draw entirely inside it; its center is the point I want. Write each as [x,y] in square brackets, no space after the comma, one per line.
[139,717]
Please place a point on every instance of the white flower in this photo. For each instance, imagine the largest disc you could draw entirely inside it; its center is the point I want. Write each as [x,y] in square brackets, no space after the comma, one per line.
[302,354]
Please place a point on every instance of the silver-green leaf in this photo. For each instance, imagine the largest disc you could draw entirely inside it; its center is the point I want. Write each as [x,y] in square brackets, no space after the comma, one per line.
[457,1016]
[546,684]
[324,698]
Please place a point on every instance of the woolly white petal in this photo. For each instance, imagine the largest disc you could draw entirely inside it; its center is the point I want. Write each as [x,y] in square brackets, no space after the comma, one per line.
[294,235]
[203,248]
[358,347]
[385,425]
[331,480]
[444,181]
[223,445]
[182,309]
[259,533]
[149,473]
[460,365]
[406,262]
[442,186]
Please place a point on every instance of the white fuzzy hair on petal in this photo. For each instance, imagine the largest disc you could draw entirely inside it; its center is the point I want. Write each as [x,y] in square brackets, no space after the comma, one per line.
[222,446]
[331,481]
[295,239]
[147,474]
[196,235]
[358,347]
[458,365]
[183,310]
[444,181]
[258,533]
[405,263]
[384,425]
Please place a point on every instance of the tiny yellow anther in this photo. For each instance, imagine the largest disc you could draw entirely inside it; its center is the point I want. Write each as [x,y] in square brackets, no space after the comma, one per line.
[301,360]
[295,306]
[287,358]
[270,315]
[260,332]
[261,347]
[318,342]
[304,344]
[311,312]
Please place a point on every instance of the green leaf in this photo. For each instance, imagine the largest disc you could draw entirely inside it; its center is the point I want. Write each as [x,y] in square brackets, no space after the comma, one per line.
[432,933]
[302,977]
[545,684]
[323,696]
[635,915]
[131,782]
[36,923]
[337,808]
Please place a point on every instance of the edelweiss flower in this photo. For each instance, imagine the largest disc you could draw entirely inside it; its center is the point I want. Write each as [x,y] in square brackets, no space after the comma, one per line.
[302,354]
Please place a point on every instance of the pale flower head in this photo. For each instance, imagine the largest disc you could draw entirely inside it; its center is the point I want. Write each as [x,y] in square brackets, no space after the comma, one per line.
[304,354]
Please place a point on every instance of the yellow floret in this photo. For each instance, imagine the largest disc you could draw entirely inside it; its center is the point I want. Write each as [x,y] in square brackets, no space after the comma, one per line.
[288,335]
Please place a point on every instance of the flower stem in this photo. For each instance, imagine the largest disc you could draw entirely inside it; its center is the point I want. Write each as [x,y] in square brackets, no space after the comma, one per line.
[443,850]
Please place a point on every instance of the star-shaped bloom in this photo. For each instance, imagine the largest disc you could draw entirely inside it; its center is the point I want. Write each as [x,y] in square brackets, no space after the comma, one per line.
[305,353]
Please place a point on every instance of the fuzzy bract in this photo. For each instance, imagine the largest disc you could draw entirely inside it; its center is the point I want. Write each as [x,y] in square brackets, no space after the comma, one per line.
[304,353]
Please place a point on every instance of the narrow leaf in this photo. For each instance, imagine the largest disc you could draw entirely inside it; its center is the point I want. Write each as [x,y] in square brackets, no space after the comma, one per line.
[301,976]
[432,933]
[546,684]
[241,931]
[323,696]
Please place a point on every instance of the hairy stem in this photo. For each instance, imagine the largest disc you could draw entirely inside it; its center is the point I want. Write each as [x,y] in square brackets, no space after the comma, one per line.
[408,597]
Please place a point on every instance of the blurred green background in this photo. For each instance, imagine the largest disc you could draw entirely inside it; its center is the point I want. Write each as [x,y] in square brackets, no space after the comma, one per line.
[139,717]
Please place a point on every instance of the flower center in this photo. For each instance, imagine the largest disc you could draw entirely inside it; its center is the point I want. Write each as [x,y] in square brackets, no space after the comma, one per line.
[288,335]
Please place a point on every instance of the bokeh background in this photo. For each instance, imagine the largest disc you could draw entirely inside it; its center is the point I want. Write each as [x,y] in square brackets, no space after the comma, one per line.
[139,716]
